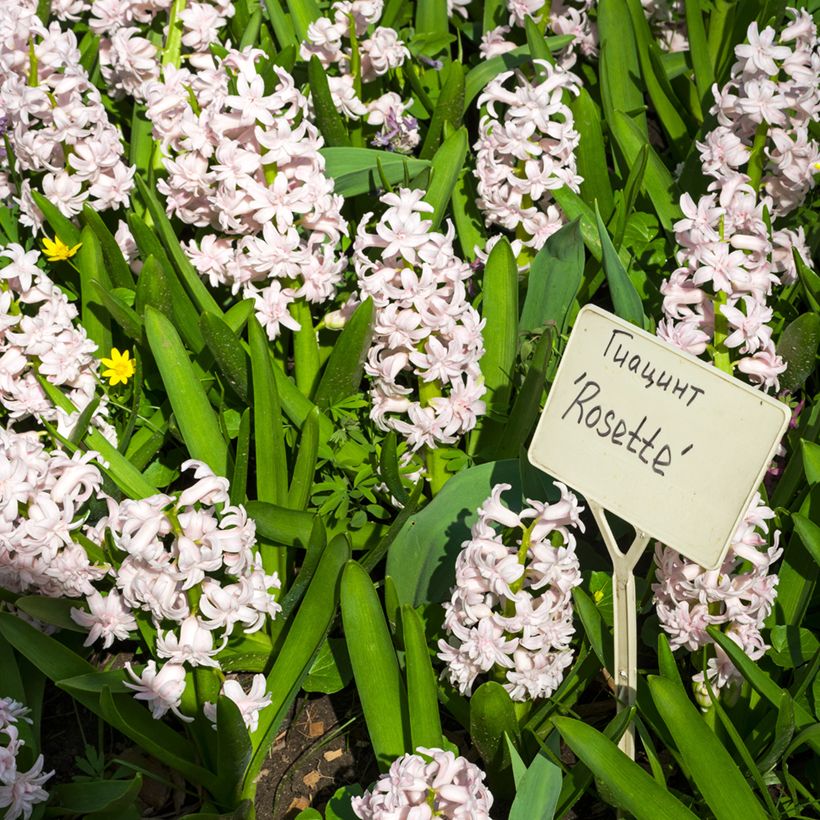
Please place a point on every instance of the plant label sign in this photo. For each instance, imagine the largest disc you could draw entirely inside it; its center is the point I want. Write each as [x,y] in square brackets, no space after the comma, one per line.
[667,442]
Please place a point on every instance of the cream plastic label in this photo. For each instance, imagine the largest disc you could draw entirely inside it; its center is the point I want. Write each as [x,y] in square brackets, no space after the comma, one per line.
[667,442]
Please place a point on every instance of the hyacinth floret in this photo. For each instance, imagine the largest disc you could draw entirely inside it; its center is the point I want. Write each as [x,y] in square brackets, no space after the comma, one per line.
[731,256]
[380,51]
[430,783]
[243,163]
[510,611]
[63,141]
[20,791]
[40,335]
[526,148]
[737,597]
[44,500]
[424,358]
[186,562]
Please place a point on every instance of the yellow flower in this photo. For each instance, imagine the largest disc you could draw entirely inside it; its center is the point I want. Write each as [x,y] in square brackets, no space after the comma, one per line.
[120,367]
[57,251]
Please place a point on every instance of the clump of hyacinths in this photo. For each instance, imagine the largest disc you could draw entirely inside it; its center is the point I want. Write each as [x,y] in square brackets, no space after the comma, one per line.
[360,52]
[763,163]
[44,500]
[244,165]
[424,358]
[40,336]
[430,783]
[737,597]
[62,141]
[526,149]
[185,567]
[510,613]
[559,17]
[20,791]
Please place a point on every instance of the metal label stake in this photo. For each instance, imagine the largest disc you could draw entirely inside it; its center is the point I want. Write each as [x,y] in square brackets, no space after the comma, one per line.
[663,440]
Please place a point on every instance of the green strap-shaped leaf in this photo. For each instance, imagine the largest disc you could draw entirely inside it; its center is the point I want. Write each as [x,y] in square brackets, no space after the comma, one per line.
[69,799]
[375,666]
[306,634]
[126,317]
[194,415]
[389,467]
[239,482]
[422,698]
[699,50]
[634,183]
[115,263]
[269,441]
[234,751]
[468,219]
[354,171]
[575,208]
[62,226]
[251,32]
[305,468]
[328,119]
[634,789]
[228,353]
[711,766]
[538,791]
[282,25]
[625,298]
[499,309]
[590,155]
[446,167]
[619,68]
[554,280]
[303,13]
[89,261]
[658,182]
[492,716]
[431,17]
[343,373]
[449,108]
[290,528]
[798,346]
[664,101]
[193,284]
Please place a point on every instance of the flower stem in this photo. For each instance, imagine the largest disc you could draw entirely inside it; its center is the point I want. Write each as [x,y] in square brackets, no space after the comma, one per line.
[436,471]
[172,51]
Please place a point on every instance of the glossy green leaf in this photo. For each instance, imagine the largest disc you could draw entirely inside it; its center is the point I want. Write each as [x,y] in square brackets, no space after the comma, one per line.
[126,318]
[303,13]
[354,170]
[194,285]
[307,632]
[234,751]
[699,50]
[86,798]
[634,183]
[711,766]
[280,525]
[228,353]
[628,784]
[89,261]
[449,106]
[422,698]
[798,345]
[281,23]
[269,441]
[809,534]
[492,716]
[590,155]
[575,208]
[375,666]
[54,611]
[499,310]
[305,467]
[466,216]
[619,69]
[421,559]
[625,299]
[538,791]
[445,169]
[342,376]
[328,119]
[389,467]
[62,227]
[194,415]
[115,263]
[331,671]
[554,279]
[811,460]
[658,181]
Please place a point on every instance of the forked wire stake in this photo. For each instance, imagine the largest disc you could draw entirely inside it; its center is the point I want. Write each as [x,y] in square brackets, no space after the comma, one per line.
[626,618]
